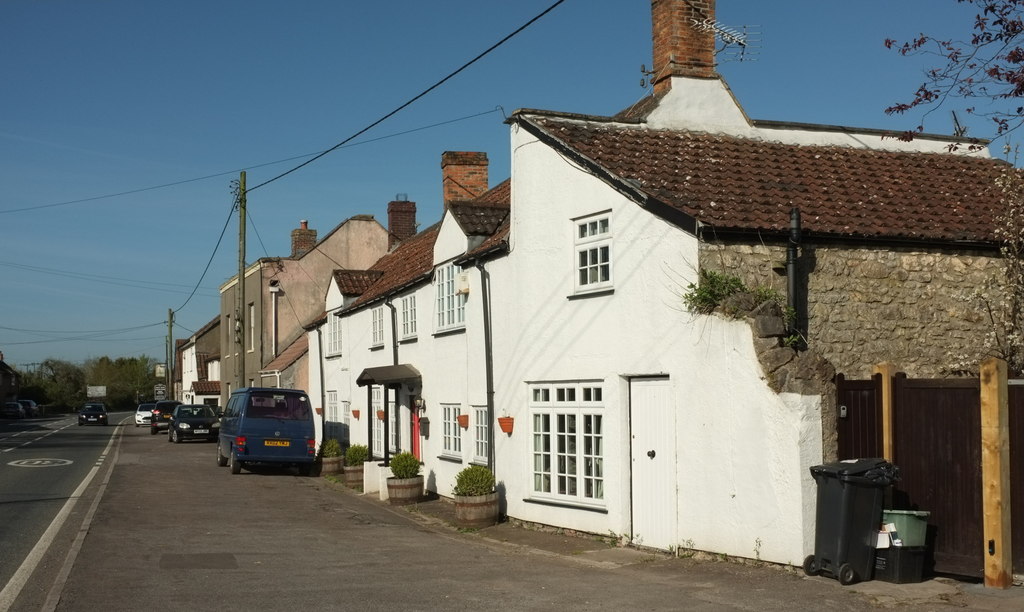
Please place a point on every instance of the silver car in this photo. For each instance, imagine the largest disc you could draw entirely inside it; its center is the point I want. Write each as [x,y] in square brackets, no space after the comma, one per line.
[143,414]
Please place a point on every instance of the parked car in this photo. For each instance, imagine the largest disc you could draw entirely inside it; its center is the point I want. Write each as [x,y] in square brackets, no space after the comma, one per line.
[12,410]
[31,408]
[92,414]
[264,425]
[160,416]
[143,414]
[190,421]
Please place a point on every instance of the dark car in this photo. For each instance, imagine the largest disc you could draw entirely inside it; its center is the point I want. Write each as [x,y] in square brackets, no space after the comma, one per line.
[12,410]
[160,416]
[193,421]
[92,414]
[31,408]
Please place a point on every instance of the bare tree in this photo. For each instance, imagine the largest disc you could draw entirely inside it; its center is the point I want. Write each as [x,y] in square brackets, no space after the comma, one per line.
[986,71]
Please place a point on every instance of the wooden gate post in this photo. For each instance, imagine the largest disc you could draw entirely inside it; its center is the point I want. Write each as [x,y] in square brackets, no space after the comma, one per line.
[995,474]
[888,371]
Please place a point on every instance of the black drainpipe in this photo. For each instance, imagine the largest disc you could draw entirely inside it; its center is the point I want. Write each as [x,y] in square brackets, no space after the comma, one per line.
[792,251]
[323,392]
[488,360]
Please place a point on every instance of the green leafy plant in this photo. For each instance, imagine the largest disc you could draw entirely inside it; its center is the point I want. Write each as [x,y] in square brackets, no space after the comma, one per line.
[711,288]
[474,480]
[330,448]
[405,465]
[356,454]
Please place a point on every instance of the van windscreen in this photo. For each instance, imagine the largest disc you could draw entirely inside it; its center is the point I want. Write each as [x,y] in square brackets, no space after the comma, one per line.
[282,406]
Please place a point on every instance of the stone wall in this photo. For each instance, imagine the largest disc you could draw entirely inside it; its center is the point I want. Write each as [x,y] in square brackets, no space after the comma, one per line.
[866,305]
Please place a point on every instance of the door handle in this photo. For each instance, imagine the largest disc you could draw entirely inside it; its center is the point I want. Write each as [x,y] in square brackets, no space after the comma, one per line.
[651,454]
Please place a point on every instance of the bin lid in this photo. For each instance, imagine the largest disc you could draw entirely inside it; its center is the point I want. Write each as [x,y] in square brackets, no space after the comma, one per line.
[874,470]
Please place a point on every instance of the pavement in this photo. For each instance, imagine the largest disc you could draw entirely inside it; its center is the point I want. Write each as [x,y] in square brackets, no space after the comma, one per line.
[933,594]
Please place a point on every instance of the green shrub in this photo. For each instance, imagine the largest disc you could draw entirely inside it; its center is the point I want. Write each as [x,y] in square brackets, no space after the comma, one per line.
[356,455]
[712,287]
[405,465]
[474,480]
[330,448]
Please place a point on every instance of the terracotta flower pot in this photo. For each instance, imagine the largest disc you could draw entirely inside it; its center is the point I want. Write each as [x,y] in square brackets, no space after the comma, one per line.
[463,420]
[355,413]
[506,423]
[380,415]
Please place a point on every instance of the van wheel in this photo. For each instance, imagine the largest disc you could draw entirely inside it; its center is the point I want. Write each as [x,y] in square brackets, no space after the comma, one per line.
[221,459]
[236,465]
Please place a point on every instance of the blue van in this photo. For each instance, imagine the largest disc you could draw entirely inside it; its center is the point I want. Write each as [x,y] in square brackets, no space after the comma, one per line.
[266,425]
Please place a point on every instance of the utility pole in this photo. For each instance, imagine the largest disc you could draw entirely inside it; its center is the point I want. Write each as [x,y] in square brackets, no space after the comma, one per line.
[168,378]
[240,314]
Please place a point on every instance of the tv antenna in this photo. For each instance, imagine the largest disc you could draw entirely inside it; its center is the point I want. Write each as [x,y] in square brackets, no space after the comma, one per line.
[959,130]
[738,44]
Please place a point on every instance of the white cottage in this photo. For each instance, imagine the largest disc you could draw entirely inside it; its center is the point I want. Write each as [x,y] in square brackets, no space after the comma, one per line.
[555,300]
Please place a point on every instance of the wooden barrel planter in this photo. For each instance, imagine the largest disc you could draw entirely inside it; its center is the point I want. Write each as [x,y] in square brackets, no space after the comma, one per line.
[477,511]
[405,491]
[331,465]
[352,476]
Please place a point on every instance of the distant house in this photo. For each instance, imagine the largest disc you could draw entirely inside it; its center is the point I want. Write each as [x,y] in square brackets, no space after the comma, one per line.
[281,295]
[10,381]
[199,362]
[556,299]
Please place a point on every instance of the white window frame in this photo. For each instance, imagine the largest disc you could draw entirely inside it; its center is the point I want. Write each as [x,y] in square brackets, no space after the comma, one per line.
[333,348]
[568,442]
[481,428]
[449,305]
[592,252]
[377,403]
[332,406]
[408,317]
[378,326]
[252,327]
[394,421]
[451,445]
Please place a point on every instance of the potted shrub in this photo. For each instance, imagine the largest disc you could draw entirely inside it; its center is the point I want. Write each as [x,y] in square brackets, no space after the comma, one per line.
[330,457]
[352,473]
[476,500]
[406,484]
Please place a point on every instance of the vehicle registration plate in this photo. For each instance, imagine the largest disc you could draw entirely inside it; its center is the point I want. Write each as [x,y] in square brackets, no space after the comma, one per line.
[200,431]
[276,443]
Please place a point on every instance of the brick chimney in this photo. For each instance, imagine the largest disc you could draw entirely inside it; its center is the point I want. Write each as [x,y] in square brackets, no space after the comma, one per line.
[681,47]
[303,239]
[401,220]
[463,175]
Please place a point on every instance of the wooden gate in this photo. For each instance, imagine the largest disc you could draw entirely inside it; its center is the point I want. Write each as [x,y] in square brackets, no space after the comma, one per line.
[937,446]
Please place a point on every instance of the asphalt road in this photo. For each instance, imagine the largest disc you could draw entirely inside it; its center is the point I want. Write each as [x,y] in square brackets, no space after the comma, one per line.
[163,528]
[42,464]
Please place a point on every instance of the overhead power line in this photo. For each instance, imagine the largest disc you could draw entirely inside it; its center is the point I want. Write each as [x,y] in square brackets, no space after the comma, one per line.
[413,99]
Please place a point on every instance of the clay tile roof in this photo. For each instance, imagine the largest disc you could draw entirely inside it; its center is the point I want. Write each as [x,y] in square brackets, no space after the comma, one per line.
[355,282]
[740,184]
[476,220]
[206,387]
[289,355]
[411,261]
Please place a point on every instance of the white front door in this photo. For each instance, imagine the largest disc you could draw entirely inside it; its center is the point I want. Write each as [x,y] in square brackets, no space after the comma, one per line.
[653,463]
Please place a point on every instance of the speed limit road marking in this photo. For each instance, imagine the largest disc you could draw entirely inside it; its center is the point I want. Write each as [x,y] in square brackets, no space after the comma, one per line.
[41,462]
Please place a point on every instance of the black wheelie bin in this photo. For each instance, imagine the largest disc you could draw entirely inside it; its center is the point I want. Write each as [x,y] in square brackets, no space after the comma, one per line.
[848,517]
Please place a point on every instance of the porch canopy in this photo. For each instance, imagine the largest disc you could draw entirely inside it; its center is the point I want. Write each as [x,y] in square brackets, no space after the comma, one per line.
[389,375]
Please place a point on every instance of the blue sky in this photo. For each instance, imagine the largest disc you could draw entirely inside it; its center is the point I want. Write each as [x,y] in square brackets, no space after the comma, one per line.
[116,96]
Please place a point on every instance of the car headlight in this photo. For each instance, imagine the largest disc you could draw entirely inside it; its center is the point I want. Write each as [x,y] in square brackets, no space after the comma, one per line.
[184,426]
[215,425]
